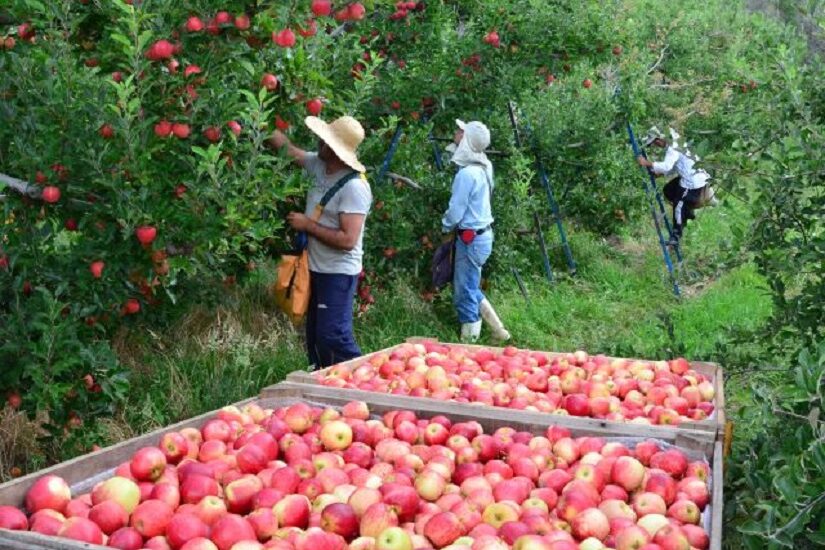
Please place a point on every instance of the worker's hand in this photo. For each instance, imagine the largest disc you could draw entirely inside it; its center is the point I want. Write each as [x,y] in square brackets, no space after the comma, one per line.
[643,161]
[447,237]
[298,221]
[278,139]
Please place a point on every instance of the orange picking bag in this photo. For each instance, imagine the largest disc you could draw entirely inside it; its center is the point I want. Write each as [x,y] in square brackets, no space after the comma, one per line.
[292,287]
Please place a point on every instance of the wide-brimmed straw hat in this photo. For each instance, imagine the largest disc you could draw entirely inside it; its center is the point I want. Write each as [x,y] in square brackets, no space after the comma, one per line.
[652,135]
[343,135]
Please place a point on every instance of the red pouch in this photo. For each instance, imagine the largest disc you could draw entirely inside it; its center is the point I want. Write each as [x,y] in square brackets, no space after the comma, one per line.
[467,236]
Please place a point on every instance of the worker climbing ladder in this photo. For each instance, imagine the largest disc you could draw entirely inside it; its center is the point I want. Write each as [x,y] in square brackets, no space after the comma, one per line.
[548,188]
[654,197]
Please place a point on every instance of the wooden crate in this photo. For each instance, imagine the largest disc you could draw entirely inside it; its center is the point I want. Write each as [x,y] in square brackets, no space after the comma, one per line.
[83,472]
[715,425]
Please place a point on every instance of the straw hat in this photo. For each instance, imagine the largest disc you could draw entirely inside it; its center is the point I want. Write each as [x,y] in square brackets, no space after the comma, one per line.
[343,135]
[652,135]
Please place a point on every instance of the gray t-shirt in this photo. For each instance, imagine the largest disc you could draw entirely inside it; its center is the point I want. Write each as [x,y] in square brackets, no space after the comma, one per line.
[355,197]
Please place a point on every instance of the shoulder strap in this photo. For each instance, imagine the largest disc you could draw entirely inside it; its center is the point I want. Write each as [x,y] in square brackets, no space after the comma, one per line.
[331,192]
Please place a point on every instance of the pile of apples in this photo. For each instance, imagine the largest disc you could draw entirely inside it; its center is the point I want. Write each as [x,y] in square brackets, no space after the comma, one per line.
[306,478]
[621,390]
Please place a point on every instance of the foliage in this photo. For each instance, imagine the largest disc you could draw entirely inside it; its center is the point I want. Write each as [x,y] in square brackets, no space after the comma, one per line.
[81,104]
[779,498]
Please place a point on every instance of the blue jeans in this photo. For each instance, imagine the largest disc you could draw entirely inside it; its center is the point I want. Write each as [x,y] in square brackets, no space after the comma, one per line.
[469,259]
[329,320]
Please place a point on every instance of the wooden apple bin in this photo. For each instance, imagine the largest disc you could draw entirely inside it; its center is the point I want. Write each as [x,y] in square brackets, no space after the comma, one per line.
[714,425]
[84,472]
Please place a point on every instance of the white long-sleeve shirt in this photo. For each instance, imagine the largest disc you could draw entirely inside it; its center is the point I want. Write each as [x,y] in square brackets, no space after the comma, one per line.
[676,161]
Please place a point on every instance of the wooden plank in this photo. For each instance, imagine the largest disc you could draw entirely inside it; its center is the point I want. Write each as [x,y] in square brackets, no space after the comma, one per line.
[26,540]
[714,425]
[717,497]
[83,471]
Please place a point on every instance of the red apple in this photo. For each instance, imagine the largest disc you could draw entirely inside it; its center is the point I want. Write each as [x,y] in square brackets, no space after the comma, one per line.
[50,194]
[293,511]
[284,38]
[13,519]
[146,234]
[321,8]
[340,519]
[648,503]
[628,473]
[119,489]
[184,527]
[81,529]
[48,492]
[697,537]
[46,522]
[109,516]
[590,523]
[210,509]
[126,538]
[314,106]
[240,493]
[443,529]
[264,522]
[631,538]
[230,530]
[671,537]
[376,518]
[672,461]
[242,22]
[194,24]
[148,463]
[151,517]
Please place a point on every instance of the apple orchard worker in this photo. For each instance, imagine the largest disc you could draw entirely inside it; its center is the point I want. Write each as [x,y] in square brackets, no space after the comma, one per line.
[470,217]
[685,191]
[336,240]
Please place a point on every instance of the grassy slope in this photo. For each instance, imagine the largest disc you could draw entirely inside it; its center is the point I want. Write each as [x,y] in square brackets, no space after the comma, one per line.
[619,303]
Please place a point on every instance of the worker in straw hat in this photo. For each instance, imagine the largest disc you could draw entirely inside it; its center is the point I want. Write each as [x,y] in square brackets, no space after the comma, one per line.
[336,239]
[469,218]
[689,188]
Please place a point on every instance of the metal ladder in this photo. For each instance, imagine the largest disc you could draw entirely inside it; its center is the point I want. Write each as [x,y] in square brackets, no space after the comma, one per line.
[654,198]
[548,188]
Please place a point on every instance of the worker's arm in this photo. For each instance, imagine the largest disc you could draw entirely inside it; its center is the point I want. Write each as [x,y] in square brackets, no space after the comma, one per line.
[459,201]
[279,139]
[353,205]
[666,166]
[345,238]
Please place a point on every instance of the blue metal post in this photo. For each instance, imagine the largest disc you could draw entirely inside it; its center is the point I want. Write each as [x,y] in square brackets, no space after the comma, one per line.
[548,270]
[385,166]
[665,252]
[554,206]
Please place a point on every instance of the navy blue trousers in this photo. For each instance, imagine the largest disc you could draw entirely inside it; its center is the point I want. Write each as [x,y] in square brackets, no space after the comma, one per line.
[329,320]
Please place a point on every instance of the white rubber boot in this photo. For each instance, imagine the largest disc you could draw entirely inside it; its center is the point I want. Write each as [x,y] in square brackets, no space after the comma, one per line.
[470,332]
[490,316]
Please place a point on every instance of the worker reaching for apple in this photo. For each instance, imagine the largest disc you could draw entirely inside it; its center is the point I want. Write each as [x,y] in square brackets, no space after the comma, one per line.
[469,216]
[334,221]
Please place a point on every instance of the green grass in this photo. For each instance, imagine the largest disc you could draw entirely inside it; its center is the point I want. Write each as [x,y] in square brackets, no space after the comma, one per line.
[620,303]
